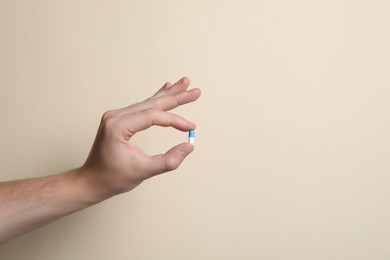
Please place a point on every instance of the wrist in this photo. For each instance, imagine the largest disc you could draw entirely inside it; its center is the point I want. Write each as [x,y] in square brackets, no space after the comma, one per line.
[94,188]
[100,185]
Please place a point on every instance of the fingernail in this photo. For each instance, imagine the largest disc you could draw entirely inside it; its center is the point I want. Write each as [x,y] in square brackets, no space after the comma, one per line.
[193,126]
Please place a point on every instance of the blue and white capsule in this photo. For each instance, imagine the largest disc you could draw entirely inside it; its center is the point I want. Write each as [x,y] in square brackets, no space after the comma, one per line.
[191,136]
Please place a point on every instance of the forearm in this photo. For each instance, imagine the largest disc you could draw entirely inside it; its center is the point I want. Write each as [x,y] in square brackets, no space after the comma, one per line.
[28,204]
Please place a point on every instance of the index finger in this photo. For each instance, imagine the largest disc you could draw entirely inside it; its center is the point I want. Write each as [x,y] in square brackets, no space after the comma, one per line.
[141,120]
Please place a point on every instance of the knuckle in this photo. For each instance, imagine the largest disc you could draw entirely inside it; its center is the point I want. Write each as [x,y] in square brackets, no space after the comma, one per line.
[108,114]
[149,112]
[171,164]
[173,101]
[166,102]
[108,125]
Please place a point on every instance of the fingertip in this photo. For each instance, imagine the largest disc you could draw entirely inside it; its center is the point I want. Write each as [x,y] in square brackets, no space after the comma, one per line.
[185,80]
[169,161]
[175,156]
[182,79]
[191,95]
[183,83]
[161,91]
[188,125]
[196,91]
[186,149]
[166,85]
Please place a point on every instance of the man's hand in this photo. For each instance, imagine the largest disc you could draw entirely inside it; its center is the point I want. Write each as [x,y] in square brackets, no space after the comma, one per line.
[116,165]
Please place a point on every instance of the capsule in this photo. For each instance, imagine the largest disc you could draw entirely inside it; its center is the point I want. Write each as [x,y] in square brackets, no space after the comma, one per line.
[191,136]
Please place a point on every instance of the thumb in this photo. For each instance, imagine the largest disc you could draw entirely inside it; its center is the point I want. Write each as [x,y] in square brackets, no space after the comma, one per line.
[169,161]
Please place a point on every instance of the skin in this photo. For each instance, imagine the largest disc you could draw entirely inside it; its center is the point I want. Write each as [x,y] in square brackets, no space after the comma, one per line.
[114,165]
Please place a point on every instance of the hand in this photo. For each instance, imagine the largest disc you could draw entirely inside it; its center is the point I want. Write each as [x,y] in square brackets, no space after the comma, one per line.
[115,165]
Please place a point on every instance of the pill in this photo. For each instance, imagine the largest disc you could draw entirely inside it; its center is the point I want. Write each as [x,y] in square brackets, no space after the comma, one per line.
[191,136]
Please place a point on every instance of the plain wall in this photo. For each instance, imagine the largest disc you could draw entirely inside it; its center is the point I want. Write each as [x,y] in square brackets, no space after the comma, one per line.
[292,146]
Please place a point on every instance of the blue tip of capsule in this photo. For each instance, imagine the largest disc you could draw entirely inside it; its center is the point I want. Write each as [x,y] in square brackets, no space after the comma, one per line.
[191,133]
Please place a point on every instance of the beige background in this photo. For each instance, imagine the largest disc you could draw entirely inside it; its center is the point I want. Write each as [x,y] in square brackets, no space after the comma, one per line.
[292,147]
